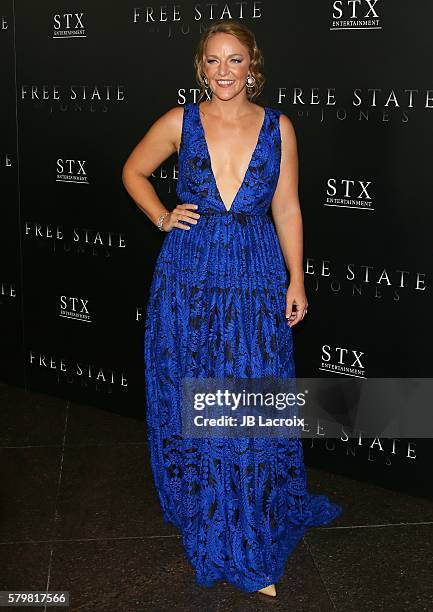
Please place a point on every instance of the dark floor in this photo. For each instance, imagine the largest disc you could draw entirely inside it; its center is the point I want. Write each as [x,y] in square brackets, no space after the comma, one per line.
[79,513]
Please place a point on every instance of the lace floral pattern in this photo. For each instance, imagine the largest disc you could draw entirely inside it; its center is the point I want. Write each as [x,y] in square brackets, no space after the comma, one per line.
[217,309]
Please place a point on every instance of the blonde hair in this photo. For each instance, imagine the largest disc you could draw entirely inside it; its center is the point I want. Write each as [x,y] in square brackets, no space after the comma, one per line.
[246,38]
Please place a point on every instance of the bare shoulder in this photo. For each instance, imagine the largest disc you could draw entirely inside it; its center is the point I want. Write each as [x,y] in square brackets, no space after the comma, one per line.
[286,125]
[287,130]
[168,126]
[171,120]
[174,114]
[160,141]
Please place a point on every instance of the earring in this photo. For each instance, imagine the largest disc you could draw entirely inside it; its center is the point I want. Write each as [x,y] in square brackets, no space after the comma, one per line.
[250,81]
[205,81]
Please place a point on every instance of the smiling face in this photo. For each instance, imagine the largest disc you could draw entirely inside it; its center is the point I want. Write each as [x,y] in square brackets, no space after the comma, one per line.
[226,62]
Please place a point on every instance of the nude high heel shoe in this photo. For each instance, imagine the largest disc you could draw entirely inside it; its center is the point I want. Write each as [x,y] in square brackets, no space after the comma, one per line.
[269,590]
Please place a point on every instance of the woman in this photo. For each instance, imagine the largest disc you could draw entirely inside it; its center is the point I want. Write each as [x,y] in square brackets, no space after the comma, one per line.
[217,308]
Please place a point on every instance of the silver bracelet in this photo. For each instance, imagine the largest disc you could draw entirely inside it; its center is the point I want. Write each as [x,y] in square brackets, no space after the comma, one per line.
[161,221]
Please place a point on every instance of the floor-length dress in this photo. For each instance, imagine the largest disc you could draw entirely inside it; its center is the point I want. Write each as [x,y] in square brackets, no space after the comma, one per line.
[217,309]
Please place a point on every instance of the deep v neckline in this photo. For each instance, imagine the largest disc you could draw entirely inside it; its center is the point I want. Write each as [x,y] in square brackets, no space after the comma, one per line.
[259,137]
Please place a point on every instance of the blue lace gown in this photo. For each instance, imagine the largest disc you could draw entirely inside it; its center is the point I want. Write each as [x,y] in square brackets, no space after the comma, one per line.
[217,309]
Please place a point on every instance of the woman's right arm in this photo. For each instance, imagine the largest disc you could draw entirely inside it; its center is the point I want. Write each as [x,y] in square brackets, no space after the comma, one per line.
[158,144]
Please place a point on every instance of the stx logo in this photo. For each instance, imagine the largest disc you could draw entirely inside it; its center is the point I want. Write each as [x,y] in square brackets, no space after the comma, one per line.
[71,171]
[360,190]
[68,21]
[75,304]
[74,308]
[73,166]
[360,9]
[348,193]
[345,356]
[342,360]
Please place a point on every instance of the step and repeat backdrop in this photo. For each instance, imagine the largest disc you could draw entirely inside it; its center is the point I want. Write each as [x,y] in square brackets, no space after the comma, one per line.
[80,87]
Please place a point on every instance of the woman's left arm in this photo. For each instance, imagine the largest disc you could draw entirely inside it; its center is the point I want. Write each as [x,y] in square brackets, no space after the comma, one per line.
[286,212]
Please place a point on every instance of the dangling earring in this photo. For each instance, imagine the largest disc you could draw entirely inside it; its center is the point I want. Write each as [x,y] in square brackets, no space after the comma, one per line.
[250,81]
[206,82]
